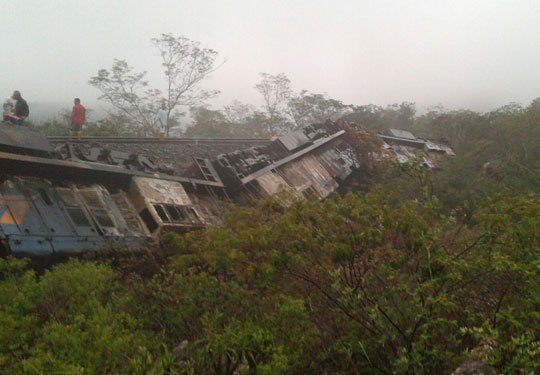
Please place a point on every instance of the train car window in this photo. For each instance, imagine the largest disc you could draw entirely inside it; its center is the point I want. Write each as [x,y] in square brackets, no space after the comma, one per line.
[103,218]
[45,197]
[309,191]
[74,209]
[175,213]
[68,197]
[146,216]
[78,216]
[193,213]
[97,208]
[162,215]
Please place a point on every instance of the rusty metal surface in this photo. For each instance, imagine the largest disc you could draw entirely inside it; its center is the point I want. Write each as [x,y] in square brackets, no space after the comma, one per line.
[161,191]
[157,140]
[418,143]
[176,152]
[273,184]
[310,176]
[438,147]
[289,158]
[295,140]
[77,169]
[164,205]
[399,133]
[23,139]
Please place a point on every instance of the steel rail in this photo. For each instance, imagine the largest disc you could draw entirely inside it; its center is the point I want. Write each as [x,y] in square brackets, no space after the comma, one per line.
[180,140]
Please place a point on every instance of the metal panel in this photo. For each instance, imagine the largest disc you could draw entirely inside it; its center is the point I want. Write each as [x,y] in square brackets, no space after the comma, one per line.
[164,205]
[46,203]
[161,191]
[8,225]
[339,163]
[272,183]
[295,140]
[76,244]
[432,146]
[102,212]
[129,214]
[292,157]
[402,134]
[25,216]
[28,245]
[22,138]
[74,207]
[38,166]
[312,170]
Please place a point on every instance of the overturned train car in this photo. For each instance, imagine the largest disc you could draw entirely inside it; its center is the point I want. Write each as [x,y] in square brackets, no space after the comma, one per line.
[50,205]
[73,199]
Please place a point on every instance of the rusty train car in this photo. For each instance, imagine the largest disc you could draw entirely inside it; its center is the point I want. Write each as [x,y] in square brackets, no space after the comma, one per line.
[72,199]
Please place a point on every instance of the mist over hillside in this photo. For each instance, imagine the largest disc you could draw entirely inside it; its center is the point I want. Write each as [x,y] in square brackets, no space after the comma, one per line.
[40,112]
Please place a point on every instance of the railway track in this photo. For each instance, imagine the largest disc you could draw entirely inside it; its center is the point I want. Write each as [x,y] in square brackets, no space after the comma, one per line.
[180,140]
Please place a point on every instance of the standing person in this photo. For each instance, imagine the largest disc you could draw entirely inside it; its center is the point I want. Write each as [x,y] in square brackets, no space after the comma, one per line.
[78,118]
[162,119]
[21,107]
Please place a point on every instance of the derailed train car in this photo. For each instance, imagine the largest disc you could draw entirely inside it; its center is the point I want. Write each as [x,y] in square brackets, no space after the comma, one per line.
[40,218]
[311,161]
[70,200]
[49,205]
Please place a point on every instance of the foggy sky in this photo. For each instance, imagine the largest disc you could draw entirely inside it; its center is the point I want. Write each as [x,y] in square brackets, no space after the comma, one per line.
[461,54]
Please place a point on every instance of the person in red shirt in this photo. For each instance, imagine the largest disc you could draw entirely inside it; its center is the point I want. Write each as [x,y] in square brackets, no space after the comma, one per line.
[78,118]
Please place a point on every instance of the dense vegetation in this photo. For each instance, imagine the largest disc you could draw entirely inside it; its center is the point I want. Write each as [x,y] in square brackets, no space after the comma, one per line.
[354,284]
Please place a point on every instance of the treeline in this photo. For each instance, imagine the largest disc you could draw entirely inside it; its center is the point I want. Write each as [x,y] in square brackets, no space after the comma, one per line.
[496,150]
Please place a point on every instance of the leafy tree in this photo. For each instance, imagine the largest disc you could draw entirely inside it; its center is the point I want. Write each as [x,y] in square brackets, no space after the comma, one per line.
[249,121]
[460,128]
[208,123]
[58,126]
[400,116]
[379,119]
[129,94]
[238,112]
[307,108]
[186,65]
[112,125]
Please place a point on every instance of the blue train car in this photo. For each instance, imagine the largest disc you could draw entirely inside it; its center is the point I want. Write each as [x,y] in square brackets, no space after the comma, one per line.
[38,218]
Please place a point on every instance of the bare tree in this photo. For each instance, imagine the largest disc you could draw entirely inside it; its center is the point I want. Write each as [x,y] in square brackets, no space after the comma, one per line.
[238,112]
[276,93]
[129,94]
[186,66]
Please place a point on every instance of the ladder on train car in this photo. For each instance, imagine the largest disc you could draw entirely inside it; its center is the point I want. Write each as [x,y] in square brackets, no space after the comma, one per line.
[207,169]
[210,174]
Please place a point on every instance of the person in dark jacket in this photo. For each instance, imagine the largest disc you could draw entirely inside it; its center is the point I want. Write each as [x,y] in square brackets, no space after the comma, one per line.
[21,107]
